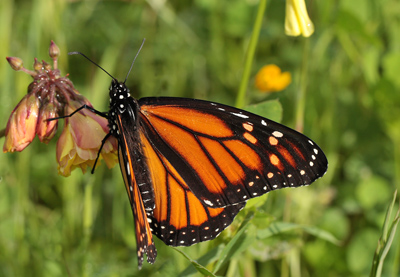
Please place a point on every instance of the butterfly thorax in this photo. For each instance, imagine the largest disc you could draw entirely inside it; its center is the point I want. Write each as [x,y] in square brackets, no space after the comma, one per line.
[120,99]
[123,120]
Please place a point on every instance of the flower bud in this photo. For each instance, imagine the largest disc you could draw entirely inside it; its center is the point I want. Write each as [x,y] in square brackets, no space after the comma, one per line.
[297,21]
[47,129]
[46,66]
[21,126]
[37,66]
[54,51]
[16,63]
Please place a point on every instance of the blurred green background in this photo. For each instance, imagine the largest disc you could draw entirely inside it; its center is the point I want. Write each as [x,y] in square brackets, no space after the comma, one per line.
[349,68]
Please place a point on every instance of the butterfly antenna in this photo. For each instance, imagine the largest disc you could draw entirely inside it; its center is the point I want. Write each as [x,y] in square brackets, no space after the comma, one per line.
[137,54]
[79,53]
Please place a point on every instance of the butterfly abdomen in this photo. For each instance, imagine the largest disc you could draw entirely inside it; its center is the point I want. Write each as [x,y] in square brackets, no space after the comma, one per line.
[124,126]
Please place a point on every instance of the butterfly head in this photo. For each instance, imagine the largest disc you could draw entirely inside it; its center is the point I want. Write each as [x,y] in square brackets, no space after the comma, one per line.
[118,92]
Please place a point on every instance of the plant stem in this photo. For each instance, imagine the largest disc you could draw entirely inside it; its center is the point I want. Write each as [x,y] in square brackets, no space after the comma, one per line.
[87,222]
[301,96]
[240,99]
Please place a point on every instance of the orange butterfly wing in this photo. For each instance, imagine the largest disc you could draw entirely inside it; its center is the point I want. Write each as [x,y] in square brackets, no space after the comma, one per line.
[225,155]
[190,165]
[139,191]
[179,217]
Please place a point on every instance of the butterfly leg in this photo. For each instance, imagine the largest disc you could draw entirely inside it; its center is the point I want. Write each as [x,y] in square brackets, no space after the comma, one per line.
[93,110]
[96,112]
[103,141]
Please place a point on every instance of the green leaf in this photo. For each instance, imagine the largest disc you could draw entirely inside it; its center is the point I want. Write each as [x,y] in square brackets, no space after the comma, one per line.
[201,269]
[209,257]
[236,244]
[280,227]
[321,234]
[271,109]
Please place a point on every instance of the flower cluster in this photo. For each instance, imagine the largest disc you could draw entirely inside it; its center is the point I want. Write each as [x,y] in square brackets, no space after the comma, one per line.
[50,95]
[270,78]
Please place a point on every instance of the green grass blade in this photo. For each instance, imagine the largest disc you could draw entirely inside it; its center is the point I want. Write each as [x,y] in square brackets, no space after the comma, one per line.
[234,246]
[386,239]
[201,269]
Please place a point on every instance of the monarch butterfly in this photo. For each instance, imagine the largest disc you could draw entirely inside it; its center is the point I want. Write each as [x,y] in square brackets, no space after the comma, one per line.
[189,166]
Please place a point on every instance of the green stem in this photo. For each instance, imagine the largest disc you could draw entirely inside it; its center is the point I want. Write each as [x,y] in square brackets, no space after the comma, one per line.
[87,207]
[240,99]
[301,96]
[87,221]
[396,140]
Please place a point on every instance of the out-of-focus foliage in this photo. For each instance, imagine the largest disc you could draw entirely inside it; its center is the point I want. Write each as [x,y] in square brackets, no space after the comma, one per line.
[348,69]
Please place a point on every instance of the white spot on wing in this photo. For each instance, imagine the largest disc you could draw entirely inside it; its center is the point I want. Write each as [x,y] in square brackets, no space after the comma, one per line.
[263,122]
[277,134]
[208,202]
[240,115]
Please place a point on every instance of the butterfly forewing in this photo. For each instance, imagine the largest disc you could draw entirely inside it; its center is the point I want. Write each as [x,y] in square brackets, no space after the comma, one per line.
[226,155]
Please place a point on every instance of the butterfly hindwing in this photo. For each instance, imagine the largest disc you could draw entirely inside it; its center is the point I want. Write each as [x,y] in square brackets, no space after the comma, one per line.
[227,155]
[179,217]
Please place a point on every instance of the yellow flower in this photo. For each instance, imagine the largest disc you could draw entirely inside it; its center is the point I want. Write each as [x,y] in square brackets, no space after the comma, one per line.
[297,21]
[270,78]
[81,139]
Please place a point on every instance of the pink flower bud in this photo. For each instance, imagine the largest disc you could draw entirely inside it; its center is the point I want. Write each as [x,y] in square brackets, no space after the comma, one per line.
[54,51]
[21,126]
[38,66]
[47,129]
[16,63]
